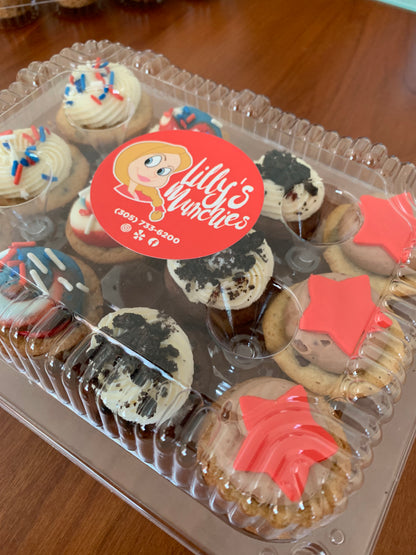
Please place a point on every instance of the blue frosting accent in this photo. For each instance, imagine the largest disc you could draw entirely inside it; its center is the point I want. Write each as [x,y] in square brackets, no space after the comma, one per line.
[200,117]
[9,276]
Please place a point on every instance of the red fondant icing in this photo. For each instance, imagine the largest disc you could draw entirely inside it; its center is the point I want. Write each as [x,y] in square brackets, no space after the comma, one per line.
[283,440]
[344,310]
[388,223]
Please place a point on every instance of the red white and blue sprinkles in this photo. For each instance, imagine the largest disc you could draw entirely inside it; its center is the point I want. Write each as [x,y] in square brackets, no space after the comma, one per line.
[103,75]
[21,159]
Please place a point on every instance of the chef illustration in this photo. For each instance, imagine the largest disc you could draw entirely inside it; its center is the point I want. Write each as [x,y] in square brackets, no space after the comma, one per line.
[144,168]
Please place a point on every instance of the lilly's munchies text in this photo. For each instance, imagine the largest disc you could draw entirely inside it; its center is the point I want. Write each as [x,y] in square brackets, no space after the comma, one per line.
[222,202]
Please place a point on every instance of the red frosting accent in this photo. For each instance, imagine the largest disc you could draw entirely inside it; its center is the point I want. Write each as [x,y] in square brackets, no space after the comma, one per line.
[283,440]
[388,223]
[44,333]
[344,310]
[96,238]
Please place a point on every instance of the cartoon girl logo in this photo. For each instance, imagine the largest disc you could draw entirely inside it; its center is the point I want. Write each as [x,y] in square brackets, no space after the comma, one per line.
[144,168]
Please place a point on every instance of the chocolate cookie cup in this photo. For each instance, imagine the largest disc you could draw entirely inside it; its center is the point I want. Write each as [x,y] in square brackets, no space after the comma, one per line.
[230,280]
[285,175]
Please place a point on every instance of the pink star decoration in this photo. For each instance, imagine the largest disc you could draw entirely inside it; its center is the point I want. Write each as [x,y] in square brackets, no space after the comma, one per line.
[388,223]
[344,310]
[283,440]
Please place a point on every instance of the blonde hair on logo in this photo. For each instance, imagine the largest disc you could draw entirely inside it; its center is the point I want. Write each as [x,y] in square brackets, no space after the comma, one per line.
[136,150]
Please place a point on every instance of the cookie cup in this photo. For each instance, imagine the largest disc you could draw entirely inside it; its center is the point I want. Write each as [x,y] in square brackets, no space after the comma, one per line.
[252,500]
[339,261]
[378,365]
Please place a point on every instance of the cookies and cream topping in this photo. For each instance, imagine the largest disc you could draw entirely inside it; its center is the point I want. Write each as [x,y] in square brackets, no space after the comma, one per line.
[30,160]
[101,95]
[291,179]
[145,373]
[230,279]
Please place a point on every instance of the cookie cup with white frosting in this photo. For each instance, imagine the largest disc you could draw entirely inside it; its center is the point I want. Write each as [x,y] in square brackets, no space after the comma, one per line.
[106,97]
[42,292]
[34,158]
[88,238]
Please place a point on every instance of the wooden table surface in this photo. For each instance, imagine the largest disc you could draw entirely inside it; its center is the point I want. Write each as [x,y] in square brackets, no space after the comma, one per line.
[349,65]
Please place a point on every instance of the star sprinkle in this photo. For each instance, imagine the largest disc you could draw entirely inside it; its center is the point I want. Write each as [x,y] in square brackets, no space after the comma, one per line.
[344,310]
[283,440]
[388,223]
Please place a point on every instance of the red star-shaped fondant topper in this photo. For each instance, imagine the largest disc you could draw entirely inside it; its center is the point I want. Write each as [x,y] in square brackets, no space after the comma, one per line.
[344,310]
[388,223]
[283,440]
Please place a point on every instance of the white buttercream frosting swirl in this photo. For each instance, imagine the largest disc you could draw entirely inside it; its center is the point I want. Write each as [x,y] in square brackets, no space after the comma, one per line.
[81,216]
[41,155]
[101,95]
[292,180]
[231,279]
[129,386]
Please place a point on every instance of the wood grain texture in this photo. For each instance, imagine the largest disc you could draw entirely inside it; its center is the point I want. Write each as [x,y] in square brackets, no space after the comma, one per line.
[349,65]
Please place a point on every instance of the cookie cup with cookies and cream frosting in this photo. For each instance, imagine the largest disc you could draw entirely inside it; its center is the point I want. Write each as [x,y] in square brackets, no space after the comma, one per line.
[132,375]
[230,281]
[286,176]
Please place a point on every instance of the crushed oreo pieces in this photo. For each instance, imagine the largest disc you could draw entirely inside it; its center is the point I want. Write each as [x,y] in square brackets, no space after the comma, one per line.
[283,169]
[145,338]
[232,262]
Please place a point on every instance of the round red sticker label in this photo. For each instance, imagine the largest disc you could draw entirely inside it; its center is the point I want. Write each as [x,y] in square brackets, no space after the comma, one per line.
[177,194]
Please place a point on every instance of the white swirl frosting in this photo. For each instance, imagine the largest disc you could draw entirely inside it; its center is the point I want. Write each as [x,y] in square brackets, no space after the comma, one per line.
[101,97]
[300,203]
[41,157]
[81,216]
[239,289]
[121,394]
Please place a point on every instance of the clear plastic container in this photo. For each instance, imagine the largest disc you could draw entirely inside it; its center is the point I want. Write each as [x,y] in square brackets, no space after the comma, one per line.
[190,420]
